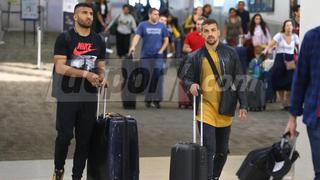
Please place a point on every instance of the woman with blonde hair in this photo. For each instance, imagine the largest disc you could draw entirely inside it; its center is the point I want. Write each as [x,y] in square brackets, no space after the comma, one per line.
[190,23]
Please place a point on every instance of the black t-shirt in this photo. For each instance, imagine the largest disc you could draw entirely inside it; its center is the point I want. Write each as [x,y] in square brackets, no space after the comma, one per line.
[245,20]
[82,53]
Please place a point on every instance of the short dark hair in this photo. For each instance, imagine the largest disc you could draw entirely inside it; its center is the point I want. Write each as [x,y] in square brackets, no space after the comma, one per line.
[296,8]
[210,21]
[232,9]
[163,15]
[241,2]
[125,6]
[79,5]
[152,9]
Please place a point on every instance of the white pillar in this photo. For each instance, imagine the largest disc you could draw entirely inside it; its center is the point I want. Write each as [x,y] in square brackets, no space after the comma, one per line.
[304,167]
[39,47]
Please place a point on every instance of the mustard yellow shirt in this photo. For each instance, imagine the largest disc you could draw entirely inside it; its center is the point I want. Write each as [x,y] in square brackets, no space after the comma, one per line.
[175,32]
[188,23]
[211,95]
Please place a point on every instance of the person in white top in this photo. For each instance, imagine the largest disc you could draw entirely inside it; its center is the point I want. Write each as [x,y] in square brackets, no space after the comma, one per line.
[126,25]
[282,71]
[258,32]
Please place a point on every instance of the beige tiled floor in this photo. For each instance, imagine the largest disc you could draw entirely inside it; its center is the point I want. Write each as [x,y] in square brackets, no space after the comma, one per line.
[151,168]
[154,168]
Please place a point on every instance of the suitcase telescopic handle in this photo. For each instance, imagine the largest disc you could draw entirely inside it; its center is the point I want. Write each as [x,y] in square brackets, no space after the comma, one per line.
[284,138]
[195,118]
[100,90]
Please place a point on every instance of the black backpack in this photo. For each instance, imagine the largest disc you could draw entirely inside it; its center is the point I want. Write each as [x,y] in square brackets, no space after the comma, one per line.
[57,78]
[259,163]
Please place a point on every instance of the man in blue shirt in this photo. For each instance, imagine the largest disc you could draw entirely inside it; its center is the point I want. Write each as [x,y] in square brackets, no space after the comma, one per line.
[305,97]
[155,40]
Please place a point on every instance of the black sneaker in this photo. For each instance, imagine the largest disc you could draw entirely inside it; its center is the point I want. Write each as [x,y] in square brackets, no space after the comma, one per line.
[58,174]
[157,104]
[148,104]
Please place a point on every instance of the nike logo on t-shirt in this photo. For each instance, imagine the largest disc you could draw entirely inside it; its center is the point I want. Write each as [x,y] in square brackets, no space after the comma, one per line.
[83,48]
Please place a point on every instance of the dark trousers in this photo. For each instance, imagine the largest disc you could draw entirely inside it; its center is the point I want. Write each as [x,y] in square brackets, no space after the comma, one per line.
[314,138]
[216,140]
[123,43]
[78,117]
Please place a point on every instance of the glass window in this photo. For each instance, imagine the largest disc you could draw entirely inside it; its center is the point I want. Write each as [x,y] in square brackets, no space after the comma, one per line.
[155,3]
[218,3]
[197,3]
[133,2]
[261,5]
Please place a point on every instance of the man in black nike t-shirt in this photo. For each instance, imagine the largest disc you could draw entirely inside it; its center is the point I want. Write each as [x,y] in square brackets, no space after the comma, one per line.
[78,69]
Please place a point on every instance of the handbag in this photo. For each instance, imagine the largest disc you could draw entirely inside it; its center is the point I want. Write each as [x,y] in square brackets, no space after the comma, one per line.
[290,65]
[229,96]
[274,161]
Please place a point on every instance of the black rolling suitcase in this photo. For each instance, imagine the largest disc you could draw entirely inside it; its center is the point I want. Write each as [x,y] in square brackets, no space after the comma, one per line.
[270,163]
[271,95]
[256,95]
[114,153]
[189,160]
[129,73]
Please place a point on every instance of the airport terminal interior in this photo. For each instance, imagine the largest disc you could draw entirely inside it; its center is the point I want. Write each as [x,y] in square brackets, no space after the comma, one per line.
[28,111]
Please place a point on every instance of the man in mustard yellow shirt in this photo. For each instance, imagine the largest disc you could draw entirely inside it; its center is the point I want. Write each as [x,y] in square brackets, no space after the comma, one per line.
[216,69]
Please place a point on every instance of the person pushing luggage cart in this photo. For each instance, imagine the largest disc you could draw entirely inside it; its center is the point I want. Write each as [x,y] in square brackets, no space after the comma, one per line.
[206,69]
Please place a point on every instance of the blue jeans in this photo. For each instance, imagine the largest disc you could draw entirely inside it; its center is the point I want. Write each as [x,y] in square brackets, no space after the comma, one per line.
[153,71]
[216,140]
[314,138]
[178,46]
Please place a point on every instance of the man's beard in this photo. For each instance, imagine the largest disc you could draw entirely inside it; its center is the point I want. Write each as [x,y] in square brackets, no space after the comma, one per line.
[84,25]
[212,42]
[154,20]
